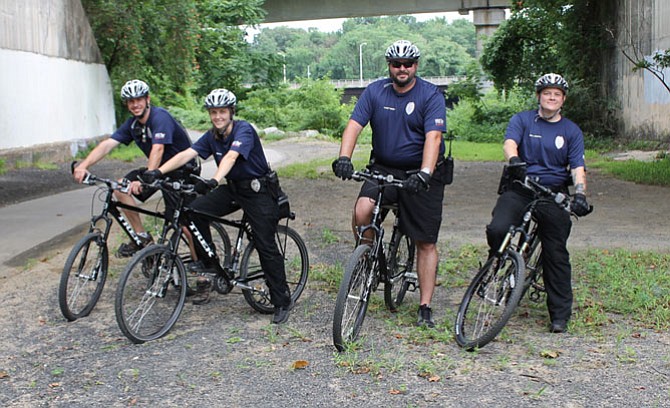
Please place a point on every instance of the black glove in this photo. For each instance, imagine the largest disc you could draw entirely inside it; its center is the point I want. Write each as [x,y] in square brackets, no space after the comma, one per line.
[150,176]
[516,168]
[203,186]
[580,206]
[343,168]
[417,182]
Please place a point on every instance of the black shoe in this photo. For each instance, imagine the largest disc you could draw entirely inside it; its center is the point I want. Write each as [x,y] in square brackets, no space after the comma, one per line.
[196,267]
[425,317]
[201,296]
[558,326]
[282,313]
[129,249]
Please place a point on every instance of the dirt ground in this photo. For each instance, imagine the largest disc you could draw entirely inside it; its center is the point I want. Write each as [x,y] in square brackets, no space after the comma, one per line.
[225,354]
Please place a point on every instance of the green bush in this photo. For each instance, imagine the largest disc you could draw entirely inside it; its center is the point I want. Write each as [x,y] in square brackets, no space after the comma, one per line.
[314,105]
[485,119]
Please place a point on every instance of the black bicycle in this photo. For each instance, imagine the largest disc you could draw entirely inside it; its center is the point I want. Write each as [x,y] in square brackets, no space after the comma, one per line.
[374,261]
[150,295]
[85,270]
[497,289]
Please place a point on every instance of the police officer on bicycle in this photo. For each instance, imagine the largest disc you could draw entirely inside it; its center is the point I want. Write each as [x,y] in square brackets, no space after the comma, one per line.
[407,116]
[250,184]
[158,135]
[542,143]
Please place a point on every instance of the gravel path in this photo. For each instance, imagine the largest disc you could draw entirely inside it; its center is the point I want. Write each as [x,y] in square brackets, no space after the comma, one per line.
[225,354]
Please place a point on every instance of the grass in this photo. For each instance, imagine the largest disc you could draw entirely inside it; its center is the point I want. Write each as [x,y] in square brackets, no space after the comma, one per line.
[122,152]
[656,172]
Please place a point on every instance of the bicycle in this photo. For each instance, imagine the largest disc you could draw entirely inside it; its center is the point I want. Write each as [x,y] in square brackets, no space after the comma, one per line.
[497,289]
[368,265]
[150,299]
[85,270]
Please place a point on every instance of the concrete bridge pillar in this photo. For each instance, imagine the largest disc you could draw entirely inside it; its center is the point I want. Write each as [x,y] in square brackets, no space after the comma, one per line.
[486,21]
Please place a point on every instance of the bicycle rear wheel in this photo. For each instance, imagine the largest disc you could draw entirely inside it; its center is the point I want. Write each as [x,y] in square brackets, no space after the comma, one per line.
[83,277]
[490,300]
[400,264]
[149,298]
[353,296]
[533,276]
[296,267]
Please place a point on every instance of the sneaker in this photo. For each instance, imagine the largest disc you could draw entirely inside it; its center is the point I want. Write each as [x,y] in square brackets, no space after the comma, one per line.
[558,326]
[128,249]
[425,317]
[282,313]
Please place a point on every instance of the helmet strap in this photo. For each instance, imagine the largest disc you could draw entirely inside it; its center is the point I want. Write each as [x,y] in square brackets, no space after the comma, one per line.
[540,112]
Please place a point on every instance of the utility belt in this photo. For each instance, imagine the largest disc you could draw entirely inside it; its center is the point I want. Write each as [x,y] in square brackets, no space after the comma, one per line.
[268,183]
[254,184]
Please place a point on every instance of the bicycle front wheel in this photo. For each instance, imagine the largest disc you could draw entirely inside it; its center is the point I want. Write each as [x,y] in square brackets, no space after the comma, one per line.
[83,277]
[400,264]
[149,298]
[296,268]
[353,296]
[490,300]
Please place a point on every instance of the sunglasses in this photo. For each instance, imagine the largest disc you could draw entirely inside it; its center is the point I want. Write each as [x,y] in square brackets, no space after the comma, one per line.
[398,64]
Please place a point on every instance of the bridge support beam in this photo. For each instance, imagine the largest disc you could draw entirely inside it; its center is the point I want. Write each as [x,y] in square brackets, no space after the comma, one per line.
[486,21]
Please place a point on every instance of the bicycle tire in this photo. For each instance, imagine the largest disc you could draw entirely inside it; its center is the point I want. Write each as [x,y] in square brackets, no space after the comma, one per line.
[83,277]
[149,298]
[490,300]
[400,262]
[221,241]
[296,267]
[352,298]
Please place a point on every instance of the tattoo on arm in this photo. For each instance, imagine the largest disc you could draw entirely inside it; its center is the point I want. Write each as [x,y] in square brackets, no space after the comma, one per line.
[580,188]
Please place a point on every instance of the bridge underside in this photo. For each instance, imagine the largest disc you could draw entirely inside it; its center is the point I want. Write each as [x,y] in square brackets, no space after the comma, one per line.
[487,14]
[295,10]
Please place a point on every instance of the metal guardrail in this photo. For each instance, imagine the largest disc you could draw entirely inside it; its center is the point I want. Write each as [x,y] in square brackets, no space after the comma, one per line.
[357,83]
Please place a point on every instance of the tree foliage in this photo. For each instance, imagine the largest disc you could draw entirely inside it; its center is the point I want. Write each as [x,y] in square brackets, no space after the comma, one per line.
[446,48]
[562,36]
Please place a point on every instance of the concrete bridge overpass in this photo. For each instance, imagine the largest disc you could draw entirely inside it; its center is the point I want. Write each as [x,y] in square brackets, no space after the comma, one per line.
[487,14]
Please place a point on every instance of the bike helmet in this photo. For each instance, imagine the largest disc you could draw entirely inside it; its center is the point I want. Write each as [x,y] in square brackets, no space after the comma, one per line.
[220,98]
[402,49]
[551,81]
[134,89]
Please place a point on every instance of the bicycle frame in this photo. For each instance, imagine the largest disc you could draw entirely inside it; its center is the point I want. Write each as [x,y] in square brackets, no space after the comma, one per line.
[113,208]
[232,268]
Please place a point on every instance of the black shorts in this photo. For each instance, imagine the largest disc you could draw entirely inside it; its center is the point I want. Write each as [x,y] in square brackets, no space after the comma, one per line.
[421,213]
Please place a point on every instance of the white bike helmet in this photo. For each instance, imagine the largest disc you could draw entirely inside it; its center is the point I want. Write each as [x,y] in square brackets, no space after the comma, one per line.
[134,89]
[220,98]
[551,81]
[402,49]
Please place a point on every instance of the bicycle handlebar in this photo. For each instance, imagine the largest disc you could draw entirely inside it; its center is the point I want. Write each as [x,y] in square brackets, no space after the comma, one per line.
[385,180]
[91,179]
[561,199]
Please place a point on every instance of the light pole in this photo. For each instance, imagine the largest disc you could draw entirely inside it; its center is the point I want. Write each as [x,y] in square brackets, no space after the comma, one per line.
[360,61]
[284,64]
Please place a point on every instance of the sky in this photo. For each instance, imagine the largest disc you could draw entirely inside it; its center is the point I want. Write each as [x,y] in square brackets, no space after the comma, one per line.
[334,24]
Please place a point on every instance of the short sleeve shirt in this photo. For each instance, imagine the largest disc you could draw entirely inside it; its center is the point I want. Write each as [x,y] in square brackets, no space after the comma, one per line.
[161,128]
[244,140]
[550,149]
[399,122]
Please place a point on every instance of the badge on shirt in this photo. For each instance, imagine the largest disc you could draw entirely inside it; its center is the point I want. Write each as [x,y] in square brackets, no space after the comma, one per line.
[409,108]
[255,185]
